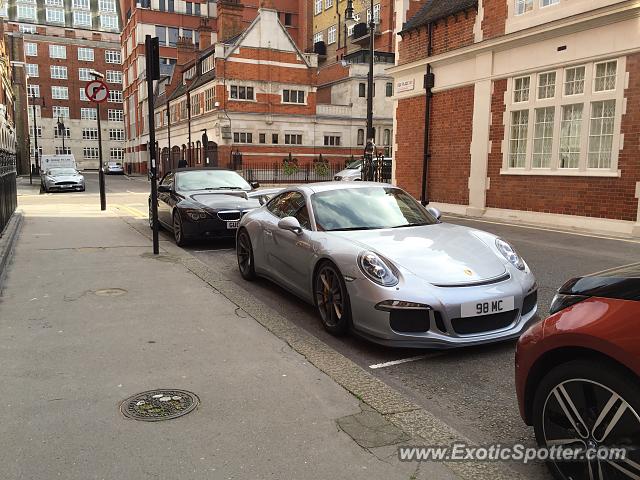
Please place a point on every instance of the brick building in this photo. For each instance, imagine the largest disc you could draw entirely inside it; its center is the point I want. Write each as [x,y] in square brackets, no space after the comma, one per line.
[63,41]
[199,23]
[255,95]
[533,110]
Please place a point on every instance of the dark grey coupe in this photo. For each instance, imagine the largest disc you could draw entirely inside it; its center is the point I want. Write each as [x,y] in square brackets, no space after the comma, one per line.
[203,203]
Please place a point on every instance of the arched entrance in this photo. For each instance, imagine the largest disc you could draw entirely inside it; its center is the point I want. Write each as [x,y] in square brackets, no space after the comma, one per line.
[211,155]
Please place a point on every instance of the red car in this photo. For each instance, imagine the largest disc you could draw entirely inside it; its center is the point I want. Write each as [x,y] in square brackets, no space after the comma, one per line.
[578,373]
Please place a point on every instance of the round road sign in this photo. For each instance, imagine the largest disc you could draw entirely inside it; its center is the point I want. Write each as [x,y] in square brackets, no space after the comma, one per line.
[97,91]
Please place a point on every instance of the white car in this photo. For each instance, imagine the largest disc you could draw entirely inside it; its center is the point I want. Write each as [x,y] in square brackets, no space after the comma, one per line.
[353,171]
[114,168]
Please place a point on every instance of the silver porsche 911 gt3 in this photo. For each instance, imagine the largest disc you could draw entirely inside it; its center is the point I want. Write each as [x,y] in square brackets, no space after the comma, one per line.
[372,259]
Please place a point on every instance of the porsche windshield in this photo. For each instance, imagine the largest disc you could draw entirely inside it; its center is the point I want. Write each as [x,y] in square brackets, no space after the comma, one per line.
[55,172]
[210,180]
[367,208]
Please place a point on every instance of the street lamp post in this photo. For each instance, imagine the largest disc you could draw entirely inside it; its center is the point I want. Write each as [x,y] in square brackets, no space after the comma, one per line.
[103,200]
[62,130]
[370,143]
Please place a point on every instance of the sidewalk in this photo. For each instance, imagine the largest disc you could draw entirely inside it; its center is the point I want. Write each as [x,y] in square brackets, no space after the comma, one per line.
[71,350]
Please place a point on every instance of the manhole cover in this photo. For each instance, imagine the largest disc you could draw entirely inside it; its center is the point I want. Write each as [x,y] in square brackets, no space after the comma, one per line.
[110,292]
[161,404]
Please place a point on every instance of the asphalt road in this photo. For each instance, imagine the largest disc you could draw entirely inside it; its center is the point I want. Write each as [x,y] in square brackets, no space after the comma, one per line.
[472,389]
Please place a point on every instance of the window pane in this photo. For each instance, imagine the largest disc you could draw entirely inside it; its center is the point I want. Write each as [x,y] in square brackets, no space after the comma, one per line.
[518,139]
[521,89]
[543,137]
[523,6]
[606,76]
[601,134]
[574,81]
[570,129]
[547,85]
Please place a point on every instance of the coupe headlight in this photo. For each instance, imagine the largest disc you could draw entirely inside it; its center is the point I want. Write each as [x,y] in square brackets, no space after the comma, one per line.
[195,214]
[562,301]
[510,254]
[377,270]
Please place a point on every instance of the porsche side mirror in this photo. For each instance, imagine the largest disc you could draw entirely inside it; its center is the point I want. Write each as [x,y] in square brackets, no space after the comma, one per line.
[164,189]
[435,212]
[291,224]
[254,185]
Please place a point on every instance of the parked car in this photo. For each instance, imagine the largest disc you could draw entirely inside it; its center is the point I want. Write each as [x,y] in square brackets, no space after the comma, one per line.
[207,202]
[62,178]
[578,373]
[353,171]
[373,259]
[113,168]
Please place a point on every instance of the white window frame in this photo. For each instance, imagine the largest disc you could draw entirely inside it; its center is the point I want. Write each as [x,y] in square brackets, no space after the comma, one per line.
[32,70]
[116,134]
[90,133]
[84,75]
[33,91]
[86,54]
[112,116]
[565,81]
[318,37]
[88,113]
[113,57]
[108,6]
[57,51]
[115,96]
[60,112]
[332,34]
[83,95]
[81,4]
[109,21]
[114,76]
[328,4]
[559,101]
[595,78]
[26,12]
[238,87]
[549,3]
[82,18]
[297,95]
[55,15]
[62,92]
[59,72]
[119,151]
[91,151]
[528,89]
[317,7]
[30,49]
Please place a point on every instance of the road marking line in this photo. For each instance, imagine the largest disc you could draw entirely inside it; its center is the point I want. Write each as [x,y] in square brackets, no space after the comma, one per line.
[544,229]
[398,362]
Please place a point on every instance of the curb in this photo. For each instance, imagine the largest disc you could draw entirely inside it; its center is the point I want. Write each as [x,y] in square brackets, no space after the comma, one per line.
[7,242]
[414,420]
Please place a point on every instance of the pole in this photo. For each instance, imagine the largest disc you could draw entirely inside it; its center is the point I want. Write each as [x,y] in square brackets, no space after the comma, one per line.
[103,199]
[35,139]
[370,135]
[170,166]
[153,72]
[189,126]
[64,133]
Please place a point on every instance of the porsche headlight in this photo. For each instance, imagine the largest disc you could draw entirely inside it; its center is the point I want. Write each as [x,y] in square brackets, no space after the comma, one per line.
[377,270]
[510,254]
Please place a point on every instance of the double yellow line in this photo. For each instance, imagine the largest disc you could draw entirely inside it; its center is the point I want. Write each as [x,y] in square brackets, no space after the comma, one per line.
[133,212]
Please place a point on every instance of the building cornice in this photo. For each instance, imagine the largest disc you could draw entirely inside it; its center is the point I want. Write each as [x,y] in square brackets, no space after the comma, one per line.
[577,23]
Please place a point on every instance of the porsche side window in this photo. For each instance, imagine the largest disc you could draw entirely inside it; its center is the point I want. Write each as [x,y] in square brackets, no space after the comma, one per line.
[303,217]
[276,204]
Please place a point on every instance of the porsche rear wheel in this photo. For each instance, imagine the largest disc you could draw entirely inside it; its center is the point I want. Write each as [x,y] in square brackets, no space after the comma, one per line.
[331,299]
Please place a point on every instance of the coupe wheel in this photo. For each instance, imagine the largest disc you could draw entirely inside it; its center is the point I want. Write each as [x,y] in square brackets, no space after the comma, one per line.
[590,405]
[244,252]
[332,299]
[178,232]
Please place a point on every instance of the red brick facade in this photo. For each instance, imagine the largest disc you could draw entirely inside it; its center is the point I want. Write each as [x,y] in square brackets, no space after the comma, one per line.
[450,138]
[494,18]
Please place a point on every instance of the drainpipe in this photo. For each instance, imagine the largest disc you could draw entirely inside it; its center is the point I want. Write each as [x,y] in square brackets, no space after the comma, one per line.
[428,85]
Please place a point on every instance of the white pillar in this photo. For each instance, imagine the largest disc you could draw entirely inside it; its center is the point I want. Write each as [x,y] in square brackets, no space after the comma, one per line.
[478,181]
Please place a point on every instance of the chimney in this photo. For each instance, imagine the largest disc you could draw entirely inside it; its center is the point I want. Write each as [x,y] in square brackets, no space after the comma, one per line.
[186,51]
[204,32]
[229,19]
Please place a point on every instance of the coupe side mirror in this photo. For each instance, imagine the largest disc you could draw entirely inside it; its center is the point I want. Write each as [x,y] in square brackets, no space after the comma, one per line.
[164,189]
[254,185]
[435,212]
[291,224]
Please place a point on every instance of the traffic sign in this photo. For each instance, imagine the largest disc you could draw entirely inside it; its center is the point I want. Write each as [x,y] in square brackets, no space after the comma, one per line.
[97,91]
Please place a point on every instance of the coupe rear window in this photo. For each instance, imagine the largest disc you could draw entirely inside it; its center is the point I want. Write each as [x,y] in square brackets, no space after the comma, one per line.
[368,208]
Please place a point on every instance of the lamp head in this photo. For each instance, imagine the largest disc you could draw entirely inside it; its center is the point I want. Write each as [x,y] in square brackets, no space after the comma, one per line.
[349,19]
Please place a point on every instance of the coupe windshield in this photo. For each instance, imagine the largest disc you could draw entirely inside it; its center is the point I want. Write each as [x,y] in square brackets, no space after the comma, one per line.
[62,171]
[210,180]
[367,209]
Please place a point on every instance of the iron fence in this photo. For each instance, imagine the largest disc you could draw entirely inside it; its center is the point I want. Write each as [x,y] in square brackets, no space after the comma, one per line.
[290,172]
[8,189]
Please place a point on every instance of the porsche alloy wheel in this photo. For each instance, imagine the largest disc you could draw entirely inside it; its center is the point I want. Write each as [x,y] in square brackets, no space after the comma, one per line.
[332,300]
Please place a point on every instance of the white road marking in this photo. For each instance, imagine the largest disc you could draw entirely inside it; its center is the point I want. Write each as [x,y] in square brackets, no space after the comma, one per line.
[398,362]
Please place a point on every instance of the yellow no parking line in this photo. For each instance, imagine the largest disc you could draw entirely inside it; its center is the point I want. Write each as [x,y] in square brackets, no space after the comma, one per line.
[134,212]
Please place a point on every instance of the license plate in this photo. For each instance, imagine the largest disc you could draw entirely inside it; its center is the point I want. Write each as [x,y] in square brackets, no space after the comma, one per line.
[487,307]
[232,225]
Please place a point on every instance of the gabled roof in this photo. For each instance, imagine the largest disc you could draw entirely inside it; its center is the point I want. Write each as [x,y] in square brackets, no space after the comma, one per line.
[279,34]
[435,10]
